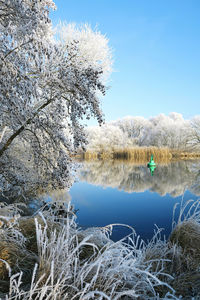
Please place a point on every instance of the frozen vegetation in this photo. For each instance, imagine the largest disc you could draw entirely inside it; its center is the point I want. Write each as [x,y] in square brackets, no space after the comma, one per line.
[51,79]
[171,131]
[48,257]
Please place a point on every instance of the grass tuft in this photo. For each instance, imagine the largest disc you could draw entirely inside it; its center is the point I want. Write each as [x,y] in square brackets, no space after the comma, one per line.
[70,263]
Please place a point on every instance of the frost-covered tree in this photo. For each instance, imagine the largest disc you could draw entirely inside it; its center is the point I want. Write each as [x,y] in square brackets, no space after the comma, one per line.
[49,82]
[195,135]
[134,127]
[106,138]
[171,131]
[168,131]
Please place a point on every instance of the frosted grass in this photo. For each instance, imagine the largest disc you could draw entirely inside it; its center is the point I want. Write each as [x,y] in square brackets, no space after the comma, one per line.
[86,264]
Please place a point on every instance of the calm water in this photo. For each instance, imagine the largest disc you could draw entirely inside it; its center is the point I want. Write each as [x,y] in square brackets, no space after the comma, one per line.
[108,192]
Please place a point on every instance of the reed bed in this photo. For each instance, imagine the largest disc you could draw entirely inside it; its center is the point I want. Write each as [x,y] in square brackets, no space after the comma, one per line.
[183,155]
[89,155]
[140,154]
[143,154]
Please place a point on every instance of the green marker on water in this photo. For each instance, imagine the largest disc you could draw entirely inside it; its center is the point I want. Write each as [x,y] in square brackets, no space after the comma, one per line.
[151,165]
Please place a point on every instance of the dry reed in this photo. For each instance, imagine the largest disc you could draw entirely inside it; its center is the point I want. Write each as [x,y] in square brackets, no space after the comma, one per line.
[137,154]
[140,154]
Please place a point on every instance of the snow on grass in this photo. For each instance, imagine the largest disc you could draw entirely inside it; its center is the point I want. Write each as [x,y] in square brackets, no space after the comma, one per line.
[86,264]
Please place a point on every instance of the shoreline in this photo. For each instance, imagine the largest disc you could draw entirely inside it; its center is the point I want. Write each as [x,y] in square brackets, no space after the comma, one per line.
[139,154]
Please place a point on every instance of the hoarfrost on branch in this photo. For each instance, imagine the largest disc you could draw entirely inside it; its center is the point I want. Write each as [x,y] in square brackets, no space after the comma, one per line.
[50,80]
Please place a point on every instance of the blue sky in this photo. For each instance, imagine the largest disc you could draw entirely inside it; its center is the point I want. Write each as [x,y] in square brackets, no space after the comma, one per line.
[156,51]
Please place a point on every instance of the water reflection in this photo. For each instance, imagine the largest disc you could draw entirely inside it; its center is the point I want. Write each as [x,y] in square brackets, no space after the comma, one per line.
[152,169]
[173,178]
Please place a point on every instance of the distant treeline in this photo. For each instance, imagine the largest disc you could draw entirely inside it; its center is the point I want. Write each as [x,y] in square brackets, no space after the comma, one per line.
[173,132]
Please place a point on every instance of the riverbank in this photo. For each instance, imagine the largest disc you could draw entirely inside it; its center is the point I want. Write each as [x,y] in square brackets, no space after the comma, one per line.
[48,255]
[140,154]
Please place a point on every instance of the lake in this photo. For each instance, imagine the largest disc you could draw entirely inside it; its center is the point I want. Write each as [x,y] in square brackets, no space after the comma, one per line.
[109,192]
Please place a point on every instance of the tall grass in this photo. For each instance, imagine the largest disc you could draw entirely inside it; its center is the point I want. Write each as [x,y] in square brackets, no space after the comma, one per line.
[77,264]
[85,264]
[137,154]
[143,154]
[184,155]
[140,154]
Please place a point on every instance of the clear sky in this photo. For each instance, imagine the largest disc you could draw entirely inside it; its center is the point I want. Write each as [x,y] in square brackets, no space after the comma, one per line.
[156,51]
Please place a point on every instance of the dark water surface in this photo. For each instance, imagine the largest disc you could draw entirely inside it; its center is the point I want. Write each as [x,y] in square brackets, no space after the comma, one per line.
[110,192]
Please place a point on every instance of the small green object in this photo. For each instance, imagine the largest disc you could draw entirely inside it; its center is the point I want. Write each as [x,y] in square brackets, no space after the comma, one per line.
[152,162]
[152,169]
[151,165]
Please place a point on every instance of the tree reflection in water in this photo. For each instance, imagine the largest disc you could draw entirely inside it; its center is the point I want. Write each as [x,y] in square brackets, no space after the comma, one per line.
[173,178]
